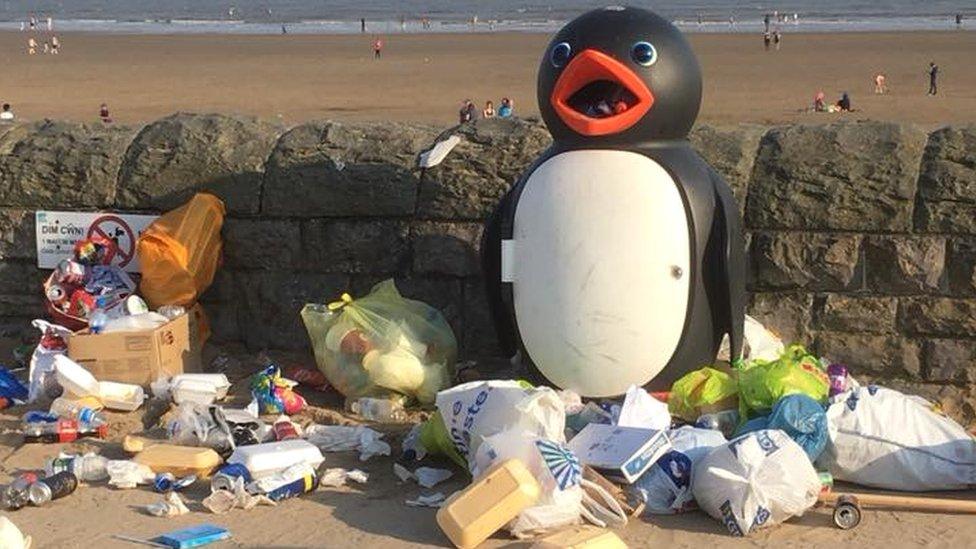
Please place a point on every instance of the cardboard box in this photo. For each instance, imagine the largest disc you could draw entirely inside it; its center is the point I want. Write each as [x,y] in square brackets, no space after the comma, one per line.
[140,357]
[619,453]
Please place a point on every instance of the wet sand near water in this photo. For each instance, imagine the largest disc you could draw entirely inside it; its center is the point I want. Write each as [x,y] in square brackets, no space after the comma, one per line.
[423,78]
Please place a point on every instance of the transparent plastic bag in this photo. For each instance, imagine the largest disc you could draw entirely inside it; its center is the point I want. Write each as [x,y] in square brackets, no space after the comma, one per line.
[382,342]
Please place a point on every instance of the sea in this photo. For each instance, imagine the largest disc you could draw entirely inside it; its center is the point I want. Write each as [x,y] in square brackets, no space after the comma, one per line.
[459,16]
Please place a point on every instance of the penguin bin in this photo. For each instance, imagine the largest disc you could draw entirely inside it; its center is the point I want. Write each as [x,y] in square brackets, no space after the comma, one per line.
[618,257]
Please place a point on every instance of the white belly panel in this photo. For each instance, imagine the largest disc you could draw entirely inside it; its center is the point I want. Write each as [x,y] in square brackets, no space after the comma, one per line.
[600,270]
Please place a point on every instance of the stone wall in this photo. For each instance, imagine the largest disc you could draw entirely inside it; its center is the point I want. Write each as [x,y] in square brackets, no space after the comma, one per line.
[862,236]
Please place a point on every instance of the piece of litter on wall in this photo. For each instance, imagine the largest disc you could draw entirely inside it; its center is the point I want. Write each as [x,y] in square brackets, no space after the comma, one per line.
[436,154]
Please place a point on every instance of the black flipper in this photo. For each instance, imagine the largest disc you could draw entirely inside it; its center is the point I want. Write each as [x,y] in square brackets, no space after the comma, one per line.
[491,268]
[728,227]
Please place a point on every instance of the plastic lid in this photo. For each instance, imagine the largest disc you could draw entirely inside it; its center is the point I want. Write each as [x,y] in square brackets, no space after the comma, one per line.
[75,379]
[86,415]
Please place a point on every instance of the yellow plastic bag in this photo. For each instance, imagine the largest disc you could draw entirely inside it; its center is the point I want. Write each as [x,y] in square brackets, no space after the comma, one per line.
[380,343]
[702,391]
[180,251]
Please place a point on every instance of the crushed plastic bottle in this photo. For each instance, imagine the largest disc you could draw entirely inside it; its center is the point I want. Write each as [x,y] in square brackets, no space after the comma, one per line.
[381,410]
[90,467]
[97,321]
[74,409]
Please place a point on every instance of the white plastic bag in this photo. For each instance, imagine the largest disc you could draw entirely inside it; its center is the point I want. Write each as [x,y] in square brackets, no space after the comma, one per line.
[476,410]
[343,438]
[666,487]
[642,410]
[54,339]
[756,480]
[882,438]
[759,343]
[126,474]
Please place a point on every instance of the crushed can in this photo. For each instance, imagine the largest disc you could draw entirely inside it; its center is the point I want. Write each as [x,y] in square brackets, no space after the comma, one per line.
[226,476]
[295,488]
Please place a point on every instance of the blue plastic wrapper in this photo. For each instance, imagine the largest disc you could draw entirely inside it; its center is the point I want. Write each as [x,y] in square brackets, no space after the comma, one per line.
[11,389]
[755,424]
[804,420]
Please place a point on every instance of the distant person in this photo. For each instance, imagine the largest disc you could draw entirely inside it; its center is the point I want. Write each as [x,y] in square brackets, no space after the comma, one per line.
[777,39]
[32,24]
[47,47]
[104,115]
[466,114]
[23,26]
[284,29]
[6,114]
[489,111]
[507,108]
[880,87]
[50,24]
[699,19]
[958,20]
[31,46]
[403,23]
[55,45]
[362,25]
[933,78]
[731,20]
[820,102]
[767,40]
[377,48]
[844,103]
[766,22]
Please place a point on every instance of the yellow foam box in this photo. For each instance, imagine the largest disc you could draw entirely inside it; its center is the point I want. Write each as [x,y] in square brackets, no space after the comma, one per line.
[472,515]
[581,537]
[179,460]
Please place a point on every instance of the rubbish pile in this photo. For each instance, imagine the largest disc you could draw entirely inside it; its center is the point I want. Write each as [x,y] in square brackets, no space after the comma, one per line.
[751,443]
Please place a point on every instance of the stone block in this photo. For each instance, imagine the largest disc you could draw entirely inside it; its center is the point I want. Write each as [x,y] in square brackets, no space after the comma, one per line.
[904,264]
[24,305]
[446,248]
[846,176]
[785,314]
[356,247]
[961,266]
[61,165]
[937,316]
[328,169]
[21,278]
[845,313]
[490,158]
[17,239]
[810,261]
[947,183]
[271,303]
[175,157]
[731,152]
[950,360]
[876,354]
[251,244]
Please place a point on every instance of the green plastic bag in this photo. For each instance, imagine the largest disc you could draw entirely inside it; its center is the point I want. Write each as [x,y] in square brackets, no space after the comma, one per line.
[702,391]
[762,382]
[382,343]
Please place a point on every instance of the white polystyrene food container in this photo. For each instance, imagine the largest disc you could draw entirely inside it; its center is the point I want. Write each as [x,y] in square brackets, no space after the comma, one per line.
[268,458]
[195,391]
[219,382]
[75,379]
[121,396]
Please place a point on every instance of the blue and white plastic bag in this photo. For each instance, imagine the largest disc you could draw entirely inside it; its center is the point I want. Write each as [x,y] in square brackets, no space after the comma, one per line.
[755,481]
[666,487]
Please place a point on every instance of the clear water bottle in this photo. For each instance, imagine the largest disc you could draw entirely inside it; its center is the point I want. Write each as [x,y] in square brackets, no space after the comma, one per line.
[172,311]
[379,409]
[90,467]
[97,320]
[73,409]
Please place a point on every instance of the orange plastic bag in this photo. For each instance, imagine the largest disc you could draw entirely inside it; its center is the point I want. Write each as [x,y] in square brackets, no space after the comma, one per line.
[179,252]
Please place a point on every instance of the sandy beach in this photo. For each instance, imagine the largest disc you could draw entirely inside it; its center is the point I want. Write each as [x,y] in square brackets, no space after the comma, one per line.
[424,77]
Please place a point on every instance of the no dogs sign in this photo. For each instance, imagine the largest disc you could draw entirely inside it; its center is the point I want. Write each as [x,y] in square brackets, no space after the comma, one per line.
[57,232]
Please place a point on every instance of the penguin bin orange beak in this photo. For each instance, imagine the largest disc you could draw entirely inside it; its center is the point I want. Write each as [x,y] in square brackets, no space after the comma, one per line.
[598,95]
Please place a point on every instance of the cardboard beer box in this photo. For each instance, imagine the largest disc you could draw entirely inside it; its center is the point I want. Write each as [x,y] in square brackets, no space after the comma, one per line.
[619,453]
[141,357]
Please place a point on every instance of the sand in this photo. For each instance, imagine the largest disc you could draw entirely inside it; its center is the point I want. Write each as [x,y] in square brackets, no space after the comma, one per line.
[374,514]
[424,77]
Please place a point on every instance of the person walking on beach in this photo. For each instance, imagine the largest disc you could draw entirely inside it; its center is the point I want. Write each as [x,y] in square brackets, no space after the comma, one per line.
[933,78]
[766,22]
[777,38]
[880,88]
[377,48]
[362,25]
[958,20]
[31,46]
[50,24]
[767,39]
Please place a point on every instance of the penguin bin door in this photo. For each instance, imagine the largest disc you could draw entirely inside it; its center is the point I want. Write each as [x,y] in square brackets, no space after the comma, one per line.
[600,270]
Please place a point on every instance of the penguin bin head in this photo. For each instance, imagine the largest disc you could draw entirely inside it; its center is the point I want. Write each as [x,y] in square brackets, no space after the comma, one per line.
[619,75]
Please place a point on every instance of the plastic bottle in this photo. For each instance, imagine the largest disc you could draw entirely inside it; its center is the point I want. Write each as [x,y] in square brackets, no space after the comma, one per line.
[73,409]
[172,311]
[88,468]
[97,320]
[379,409]
[64,430]
[16,494]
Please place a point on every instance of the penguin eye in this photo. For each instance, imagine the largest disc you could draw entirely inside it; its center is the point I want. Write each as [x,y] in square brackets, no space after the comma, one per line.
[560,54]
[644,53]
